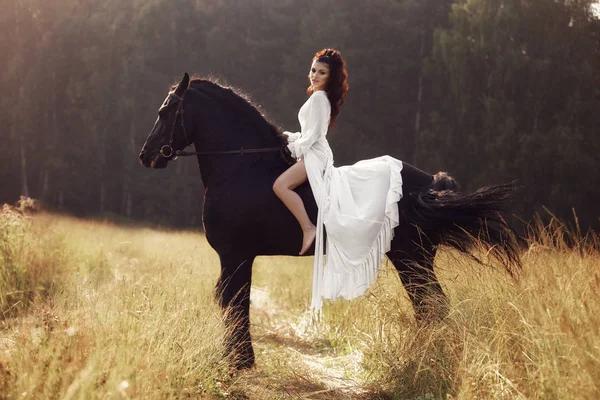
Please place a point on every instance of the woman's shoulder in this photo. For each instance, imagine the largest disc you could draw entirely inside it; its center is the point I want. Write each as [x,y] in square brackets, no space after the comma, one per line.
[320,96]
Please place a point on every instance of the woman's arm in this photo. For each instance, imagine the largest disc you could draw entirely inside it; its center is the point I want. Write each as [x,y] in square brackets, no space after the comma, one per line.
[292,136]
[316,125]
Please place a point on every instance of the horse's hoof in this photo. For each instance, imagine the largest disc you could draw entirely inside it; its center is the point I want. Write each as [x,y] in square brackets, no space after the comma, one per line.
[241,365]
[432,315]
[241,361]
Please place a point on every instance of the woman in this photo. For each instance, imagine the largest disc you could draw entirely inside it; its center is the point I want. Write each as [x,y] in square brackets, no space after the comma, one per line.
[357,204]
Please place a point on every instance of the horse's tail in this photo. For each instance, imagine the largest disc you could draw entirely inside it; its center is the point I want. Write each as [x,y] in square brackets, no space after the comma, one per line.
[463,220]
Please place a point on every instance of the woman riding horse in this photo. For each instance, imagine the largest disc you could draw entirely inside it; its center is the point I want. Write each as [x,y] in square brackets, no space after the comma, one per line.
[357,204]
[240,158]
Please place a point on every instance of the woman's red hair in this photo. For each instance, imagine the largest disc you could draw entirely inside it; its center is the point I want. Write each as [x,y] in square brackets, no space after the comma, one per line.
[337,84]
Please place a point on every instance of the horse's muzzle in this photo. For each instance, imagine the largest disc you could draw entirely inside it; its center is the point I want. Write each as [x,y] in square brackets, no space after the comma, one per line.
[152,161]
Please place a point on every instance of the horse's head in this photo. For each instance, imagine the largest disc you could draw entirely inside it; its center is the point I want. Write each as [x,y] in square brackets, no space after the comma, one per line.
[168,135]
[218,121]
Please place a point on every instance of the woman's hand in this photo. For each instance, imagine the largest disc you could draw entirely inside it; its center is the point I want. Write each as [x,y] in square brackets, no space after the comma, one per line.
[292,136]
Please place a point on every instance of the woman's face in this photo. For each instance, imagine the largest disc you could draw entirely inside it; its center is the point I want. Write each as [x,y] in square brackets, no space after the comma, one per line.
[318,75]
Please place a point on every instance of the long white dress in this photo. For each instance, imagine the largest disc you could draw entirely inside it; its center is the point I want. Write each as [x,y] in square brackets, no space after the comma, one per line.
[357,207]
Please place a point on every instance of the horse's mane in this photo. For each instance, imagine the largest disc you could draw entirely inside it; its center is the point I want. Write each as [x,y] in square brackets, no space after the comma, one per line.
[235,98]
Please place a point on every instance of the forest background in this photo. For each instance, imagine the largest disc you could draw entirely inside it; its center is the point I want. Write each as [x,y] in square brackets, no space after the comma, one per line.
[489,90]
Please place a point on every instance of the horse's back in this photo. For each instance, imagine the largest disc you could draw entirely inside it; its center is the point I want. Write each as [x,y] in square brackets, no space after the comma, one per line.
[414,179]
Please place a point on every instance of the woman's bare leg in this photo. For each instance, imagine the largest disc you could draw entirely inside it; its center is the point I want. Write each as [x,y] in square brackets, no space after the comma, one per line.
[284,189]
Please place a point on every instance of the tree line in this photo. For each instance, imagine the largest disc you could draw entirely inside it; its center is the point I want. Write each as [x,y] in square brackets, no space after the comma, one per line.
[488,90]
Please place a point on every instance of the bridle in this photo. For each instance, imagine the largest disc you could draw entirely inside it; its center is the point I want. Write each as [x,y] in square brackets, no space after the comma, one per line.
[167,150]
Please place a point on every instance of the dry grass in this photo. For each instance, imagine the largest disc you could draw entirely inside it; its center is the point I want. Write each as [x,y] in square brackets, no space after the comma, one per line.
[131,315]
[114,312]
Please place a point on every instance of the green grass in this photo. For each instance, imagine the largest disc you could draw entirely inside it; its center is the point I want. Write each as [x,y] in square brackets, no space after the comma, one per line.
[98,310]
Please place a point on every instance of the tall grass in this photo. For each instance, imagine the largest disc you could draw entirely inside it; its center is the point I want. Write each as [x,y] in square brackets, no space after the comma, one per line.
[107,311]
[534,337]
[131,315]
[30,261]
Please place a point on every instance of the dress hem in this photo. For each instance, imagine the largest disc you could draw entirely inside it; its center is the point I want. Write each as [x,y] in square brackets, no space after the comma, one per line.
[333,285]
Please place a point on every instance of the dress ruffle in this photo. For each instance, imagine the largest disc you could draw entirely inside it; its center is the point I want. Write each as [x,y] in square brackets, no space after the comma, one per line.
[350,283]
[357,205]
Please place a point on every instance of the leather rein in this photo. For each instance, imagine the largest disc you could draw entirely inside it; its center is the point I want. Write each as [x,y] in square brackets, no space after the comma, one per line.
[167,150]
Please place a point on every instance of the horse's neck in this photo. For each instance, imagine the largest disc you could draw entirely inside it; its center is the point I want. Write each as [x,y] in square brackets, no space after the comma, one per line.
[220,168]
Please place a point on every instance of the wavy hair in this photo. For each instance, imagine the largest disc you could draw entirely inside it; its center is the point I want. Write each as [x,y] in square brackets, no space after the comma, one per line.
[337,84]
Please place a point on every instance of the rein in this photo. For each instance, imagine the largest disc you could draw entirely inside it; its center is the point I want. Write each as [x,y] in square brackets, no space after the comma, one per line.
[241,151]
[167,150]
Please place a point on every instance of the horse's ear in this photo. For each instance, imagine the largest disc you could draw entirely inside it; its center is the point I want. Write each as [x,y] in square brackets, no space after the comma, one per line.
[183,85]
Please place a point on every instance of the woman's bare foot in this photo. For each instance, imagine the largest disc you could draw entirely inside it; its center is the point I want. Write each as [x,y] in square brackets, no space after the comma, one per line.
[308,239]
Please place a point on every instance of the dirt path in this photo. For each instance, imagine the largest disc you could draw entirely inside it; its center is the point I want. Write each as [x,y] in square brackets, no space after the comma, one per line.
[292,363]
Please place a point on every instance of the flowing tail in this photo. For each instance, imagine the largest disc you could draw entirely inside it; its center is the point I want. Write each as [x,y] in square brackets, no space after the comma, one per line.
[462,220]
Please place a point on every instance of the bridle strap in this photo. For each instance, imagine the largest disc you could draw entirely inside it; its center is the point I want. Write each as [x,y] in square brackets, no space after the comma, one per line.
[241,151]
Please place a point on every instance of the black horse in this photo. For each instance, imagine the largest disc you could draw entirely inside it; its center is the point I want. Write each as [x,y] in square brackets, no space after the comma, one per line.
[240,154]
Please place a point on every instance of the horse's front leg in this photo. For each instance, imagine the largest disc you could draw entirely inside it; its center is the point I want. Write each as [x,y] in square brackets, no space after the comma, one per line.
[233,295]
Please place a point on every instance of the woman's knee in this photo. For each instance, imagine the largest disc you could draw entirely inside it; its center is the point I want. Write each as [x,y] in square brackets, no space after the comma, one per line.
[290,179]
[279,186]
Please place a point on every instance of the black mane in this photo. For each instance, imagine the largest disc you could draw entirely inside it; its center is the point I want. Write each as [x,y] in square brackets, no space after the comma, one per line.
[234,98]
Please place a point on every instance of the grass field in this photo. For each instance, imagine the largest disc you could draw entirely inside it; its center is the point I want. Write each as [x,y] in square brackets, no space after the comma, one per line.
[94,310]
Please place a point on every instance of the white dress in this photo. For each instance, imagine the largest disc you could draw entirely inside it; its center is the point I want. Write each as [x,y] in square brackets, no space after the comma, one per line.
[357,206]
